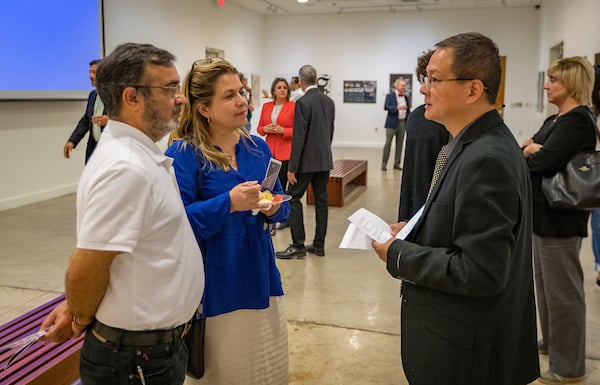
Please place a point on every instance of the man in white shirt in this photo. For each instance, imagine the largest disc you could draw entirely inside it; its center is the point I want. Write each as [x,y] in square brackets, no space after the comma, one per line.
[136,277]
[295,90]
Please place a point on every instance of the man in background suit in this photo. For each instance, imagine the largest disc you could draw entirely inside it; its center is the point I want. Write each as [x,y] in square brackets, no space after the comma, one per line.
[397,106]
[310,162]
[468,310]
[93,121]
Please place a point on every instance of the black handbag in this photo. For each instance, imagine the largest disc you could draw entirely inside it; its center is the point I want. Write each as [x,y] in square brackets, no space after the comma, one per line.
[194,341]
[577,186]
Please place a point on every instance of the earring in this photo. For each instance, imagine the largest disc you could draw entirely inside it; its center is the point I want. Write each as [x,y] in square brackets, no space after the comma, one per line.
[208,118]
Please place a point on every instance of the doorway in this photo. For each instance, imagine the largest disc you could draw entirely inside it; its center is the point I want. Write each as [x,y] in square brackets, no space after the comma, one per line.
[556,52]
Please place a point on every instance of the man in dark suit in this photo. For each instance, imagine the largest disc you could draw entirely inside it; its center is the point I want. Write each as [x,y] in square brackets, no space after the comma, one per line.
[468,311]
[310,162]
[397,106]
[93,121]
[424,139]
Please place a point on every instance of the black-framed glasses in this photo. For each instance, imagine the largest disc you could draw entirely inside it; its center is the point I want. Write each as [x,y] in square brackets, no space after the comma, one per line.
[172,91]
[428,82]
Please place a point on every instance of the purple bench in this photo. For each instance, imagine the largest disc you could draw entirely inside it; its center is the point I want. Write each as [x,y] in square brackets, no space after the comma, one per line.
[41,364]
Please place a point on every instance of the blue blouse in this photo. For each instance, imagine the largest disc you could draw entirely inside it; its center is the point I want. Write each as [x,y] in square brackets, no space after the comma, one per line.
[238,251]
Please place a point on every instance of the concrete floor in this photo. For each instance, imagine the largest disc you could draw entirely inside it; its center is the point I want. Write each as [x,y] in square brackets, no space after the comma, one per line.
[343,309]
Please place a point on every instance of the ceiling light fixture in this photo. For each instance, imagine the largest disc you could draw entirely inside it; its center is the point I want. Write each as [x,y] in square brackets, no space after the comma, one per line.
[302,1]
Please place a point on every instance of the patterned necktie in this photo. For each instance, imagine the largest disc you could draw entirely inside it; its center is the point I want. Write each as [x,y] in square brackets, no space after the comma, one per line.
[439,165]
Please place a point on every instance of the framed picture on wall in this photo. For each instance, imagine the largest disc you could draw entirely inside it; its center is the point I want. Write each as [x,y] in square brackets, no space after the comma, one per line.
[539,105]
[407,78]
[360,91]
[324,84]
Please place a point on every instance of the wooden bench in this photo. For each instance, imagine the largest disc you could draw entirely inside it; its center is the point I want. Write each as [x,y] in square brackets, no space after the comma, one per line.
[345,175]
[41,364]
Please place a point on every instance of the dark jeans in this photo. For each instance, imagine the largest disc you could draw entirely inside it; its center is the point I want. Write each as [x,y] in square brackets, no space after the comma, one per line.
[104,363]
[296,220]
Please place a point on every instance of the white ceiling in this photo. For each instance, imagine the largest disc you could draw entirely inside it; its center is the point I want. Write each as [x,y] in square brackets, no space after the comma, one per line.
[292,7]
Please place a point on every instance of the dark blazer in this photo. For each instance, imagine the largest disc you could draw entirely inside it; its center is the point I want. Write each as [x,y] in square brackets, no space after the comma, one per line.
[84,126]
[570,134]
[468,315]
[424,139]
[391,106]
[313,133]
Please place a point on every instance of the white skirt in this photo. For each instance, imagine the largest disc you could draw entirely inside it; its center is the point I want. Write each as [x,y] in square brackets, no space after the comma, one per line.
[246,347]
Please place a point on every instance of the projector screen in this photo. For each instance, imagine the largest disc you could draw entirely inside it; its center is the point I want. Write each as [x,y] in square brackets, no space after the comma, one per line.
[47,46]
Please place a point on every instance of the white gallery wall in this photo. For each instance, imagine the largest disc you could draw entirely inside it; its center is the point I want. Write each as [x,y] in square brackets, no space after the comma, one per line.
[345,46]
[371,46]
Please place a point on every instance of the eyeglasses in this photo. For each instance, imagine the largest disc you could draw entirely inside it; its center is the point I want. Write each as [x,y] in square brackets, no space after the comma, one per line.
[428,82]
[172,91]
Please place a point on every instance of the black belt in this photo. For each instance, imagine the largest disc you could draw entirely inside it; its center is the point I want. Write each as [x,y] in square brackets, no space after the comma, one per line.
[138,338]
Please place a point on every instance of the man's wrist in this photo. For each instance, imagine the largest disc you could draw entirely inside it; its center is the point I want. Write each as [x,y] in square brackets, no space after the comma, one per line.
[79,325]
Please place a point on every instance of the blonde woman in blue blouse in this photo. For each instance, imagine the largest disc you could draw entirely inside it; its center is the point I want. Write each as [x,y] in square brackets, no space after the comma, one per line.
[219,167]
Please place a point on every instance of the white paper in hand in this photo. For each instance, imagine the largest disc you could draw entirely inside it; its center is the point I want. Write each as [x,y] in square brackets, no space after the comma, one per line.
[375,227]
[355,238]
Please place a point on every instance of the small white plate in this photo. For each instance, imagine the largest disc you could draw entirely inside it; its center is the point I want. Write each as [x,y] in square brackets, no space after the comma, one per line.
[284,198]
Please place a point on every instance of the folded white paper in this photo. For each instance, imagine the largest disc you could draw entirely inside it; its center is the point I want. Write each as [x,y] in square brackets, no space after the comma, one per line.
[366,226]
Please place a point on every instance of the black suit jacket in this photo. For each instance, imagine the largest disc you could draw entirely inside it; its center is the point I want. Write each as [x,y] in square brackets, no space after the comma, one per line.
[468,315]
[424,139]
[84,126]
[313,132]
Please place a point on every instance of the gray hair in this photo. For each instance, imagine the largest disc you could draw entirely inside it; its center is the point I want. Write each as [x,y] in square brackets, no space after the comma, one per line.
[308,74]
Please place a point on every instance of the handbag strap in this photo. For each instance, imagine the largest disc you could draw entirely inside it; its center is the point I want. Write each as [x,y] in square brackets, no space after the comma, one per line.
[593,119]
[200,160]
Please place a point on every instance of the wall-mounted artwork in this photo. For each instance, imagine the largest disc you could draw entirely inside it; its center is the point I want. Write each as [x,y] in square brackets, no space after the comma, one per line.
[324,84]
[360,91]
[214,52]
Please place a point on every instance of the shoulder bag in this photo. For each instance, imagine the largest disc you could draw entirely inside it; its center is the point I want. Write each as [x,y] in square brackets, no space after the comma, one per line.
[577,186]
[194,339]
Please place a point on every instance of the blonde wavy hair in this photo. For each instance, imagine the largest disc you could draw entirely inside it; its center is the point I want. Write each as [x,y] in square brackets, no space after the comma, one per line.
[577,75]
[194,128]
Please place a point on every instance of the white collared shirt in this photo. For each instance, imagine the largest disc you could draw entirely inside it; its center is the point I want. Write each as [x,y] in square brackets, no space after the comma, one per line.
[296,94]
[128,201]
[401,102]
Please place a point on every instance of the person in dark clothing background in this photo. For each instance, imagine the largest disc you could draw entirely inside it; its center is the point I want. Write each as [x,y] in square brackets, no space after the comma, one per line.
[557,233]
[93,121]
[424,139]
[310,162]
